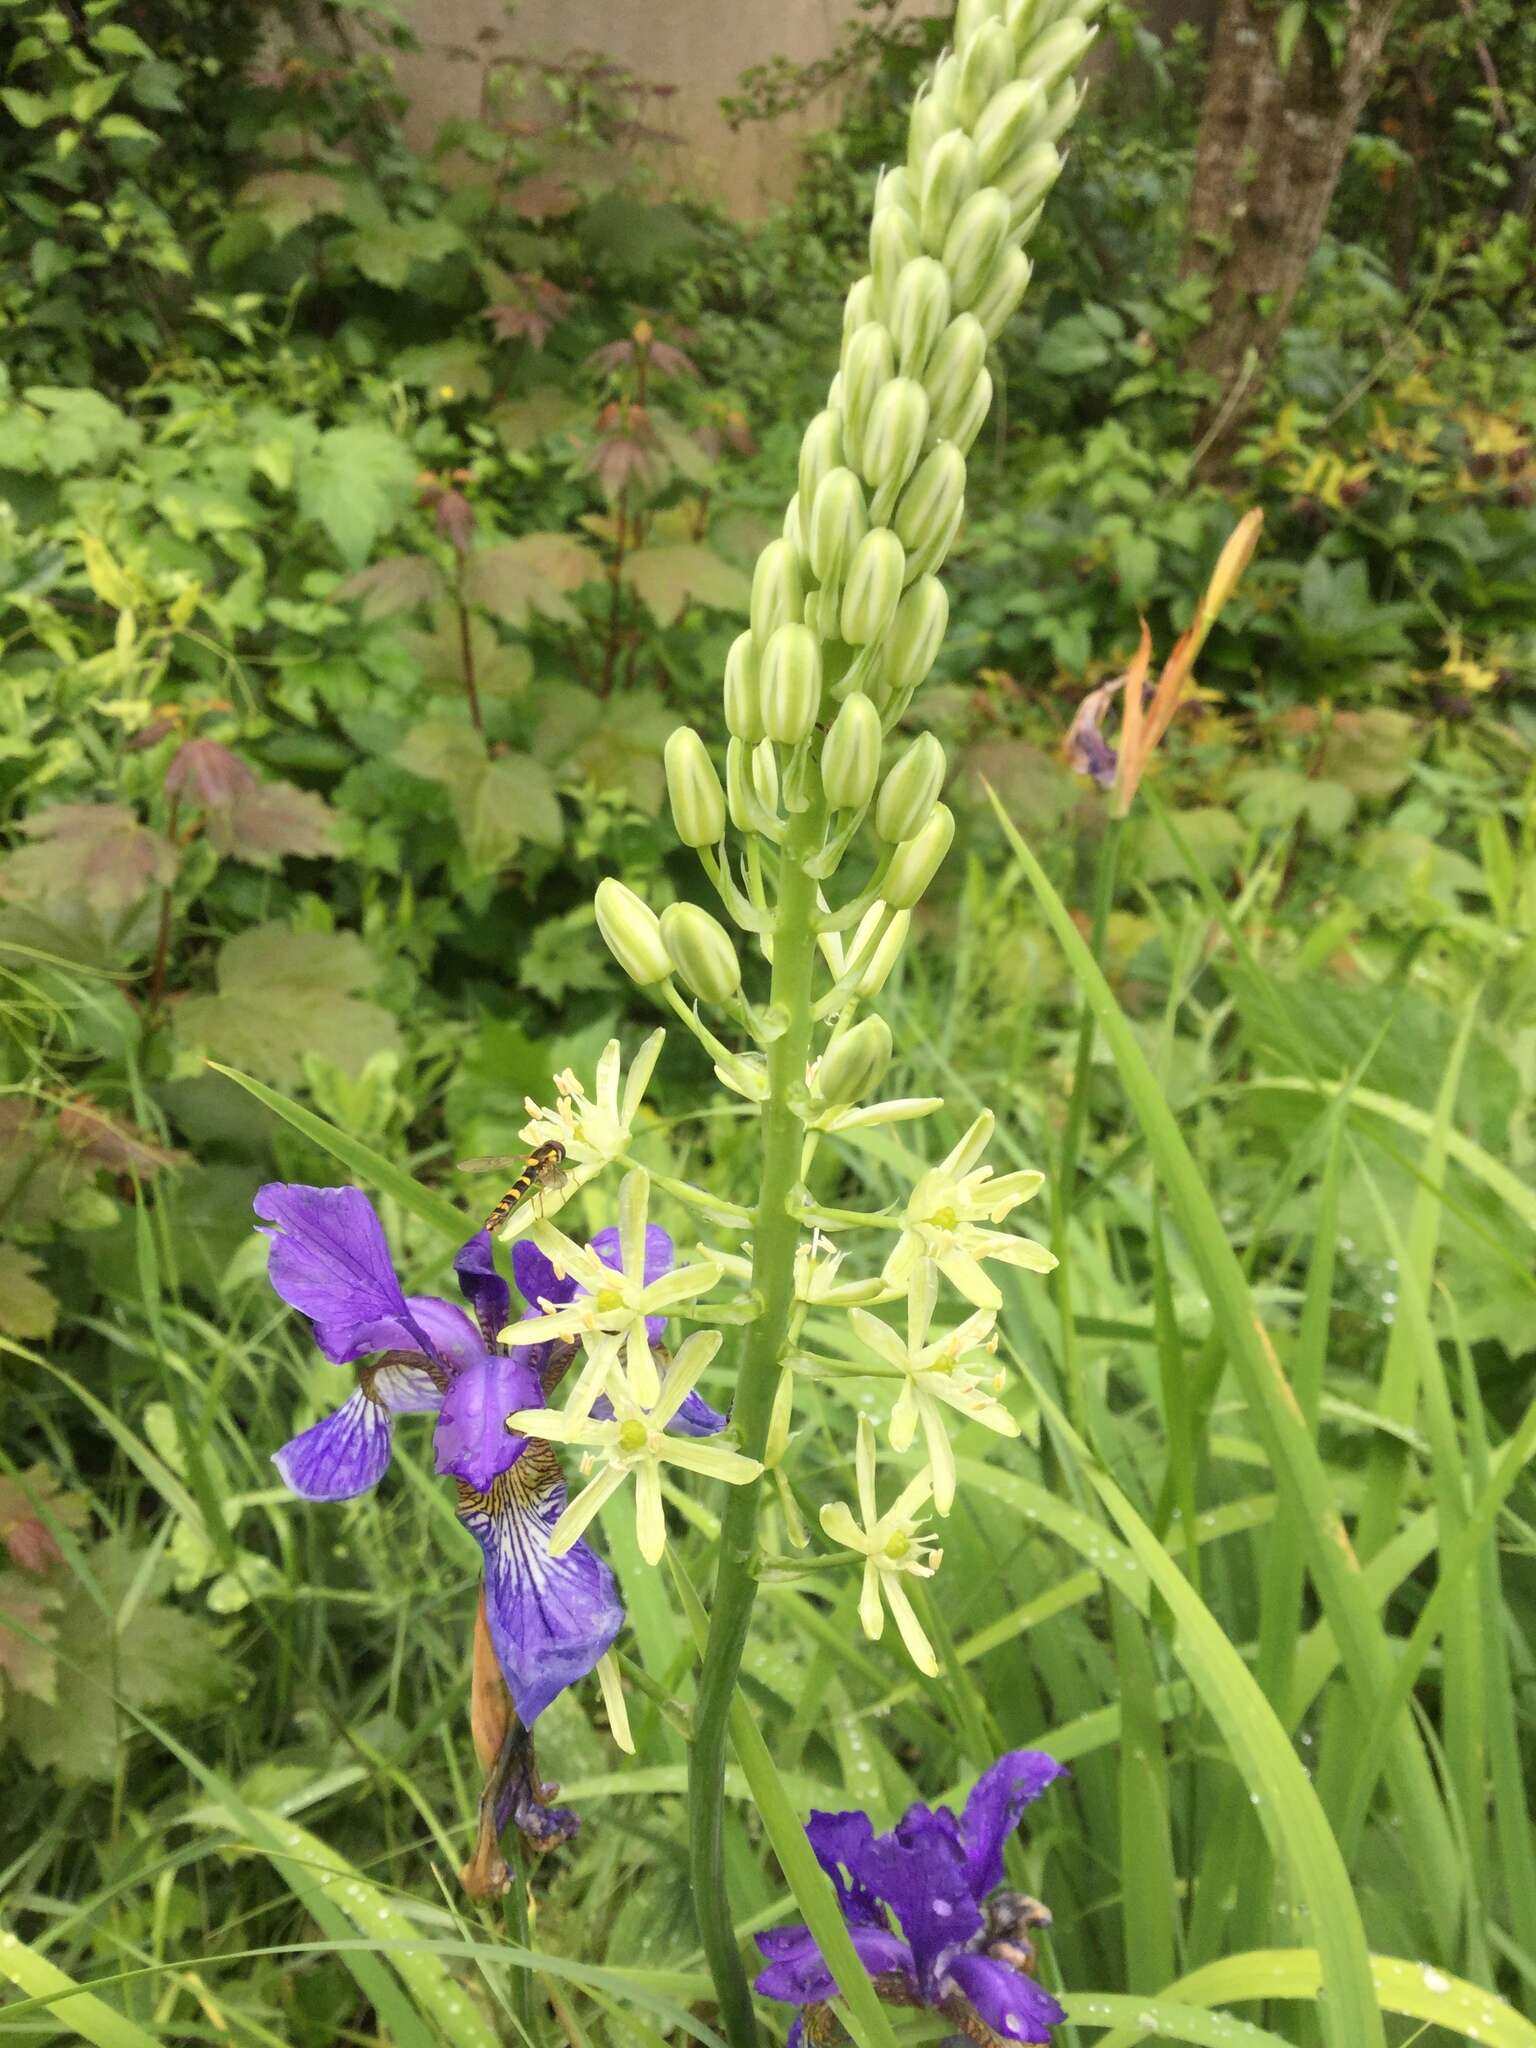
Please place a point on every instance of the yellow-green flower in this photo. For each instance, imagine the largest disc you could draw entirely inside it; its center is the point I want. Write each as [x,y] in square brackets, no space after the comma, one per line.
[951,1217]
[892,1547]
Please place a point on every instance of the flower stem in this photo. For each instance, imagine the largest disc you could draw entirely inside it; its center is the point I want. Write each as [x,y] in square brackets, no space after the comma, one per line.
[775,1234]
[1063,1184]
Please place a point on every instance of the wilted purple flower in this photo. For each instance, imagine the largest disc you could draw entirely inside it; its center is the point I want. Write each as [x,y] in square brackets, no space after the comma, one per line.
[933,1872]
[550,1618]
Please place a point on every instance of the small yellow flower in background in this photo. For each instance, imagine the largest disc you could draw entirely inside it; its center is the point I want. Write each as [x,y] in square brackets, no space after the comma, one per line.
[936,1377]
[445,392]
[892,1548]
[634,1441]
[617,1314]
[593,1131]
[946,1220]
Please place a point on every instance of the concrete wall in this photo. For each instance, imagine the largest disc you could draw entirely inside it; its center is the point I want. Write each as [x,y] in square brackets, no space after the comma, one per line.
[698,47]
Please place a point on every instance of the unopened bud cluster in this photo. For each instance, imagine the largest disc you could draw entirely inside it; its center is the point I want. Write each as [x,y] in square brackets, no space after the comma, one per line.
[845,621]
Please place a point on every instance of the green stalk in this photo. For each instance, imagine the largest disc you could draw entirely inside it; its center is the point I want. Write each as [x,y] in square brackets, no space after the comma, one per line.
[775,1235]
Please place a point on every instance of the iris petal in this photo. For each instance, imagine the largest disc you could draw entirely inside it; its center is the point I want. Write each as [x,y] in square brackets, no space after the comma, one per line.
[992,1812]
[841,1841]
[340,1456]
[329,1259]
[1012,2004]
[550,1618]
[482,1286]
[919,1870]
[797,1975]
[472,1441]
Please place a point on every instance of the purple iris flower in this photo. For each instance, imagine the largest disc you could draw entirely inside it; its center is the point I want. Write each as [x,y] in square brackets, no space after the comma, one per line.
[933,1872]
[550,1618]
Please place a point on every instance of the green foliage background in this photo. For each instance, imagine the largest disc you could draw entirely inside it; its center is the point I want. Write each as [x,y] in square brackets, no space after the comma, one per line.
[367,518]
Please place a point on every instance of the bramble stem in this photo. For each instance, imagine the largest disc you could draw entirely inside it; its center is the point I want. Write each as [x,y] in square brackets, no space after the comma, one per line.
[775,1235]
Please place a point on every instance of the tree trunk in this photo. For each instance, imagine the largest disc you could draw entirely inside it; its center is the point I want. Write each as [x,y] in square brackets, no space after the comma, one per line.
[1272,145]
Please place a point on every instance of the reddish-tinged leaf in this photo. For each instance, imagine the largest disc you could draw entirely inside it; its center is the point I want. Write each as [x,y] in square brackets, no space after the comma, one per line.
[98,852]
[530,574]
[670,578]
[28,1505]
[208,773]
[270,820]
[543,197]
[25,1634]
[150,735]
[395,585]
[114,1146]
[668,361]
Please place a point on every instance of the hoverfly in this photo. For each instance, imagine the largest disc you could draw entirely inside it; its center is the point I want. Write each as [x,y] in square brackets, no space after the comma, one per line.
[541,1169]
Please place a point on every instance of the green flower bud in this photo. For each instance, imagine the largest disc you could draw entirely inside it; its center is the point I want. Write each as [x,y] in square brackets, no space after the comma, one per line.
[886,954]
[1062,112]
[747,809]
[821,449]
[698,801]
[909,793]
[986,66]
[1026,178]
[944,90]
[791,683]
[916,861]
[928,505]
[893,244]
[791,528]
[972,16]
[978,235]
[869,363]
[765,776]
[953,368]
[1008,124]
[1051,56]
[916,635]
[950,176]
[894,433]
[777,593]
[894,188]
[850,755]
[839,521]
[929,121]
[919,311]
[743,703]
[632,932]
[859,305]
[969,422]
[854,1065]
[1000,295]
[924,560]
[700,948]
[873,588]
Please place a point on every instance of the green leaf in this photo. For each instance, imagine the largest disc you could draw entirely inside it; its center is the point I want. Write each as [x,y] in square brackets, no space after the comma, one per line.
[671,577]
[530,574]
[119,1640]
[27,1308]
[385,250]
[283,994]
[368,1167]
[1419,1991]
[1288,27]
[356,484]
[285,200]
[84,2014]
[498,800]
[30,109]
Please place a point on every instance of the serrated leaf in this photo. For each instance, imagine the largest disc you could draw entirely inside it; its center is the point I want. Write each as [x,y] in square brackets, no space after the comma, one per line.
[115,1147]
[98,854]
[283,994]
[271,820]
[397,584]
[442,750]
[523,422]
[530,574]
[27,1308]
[355,484]
[1371,752]
[285,200]
[27,1634]
[501,668]
[452,369]
[147,1654]
[670,578]
[512,799]
[384,250]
